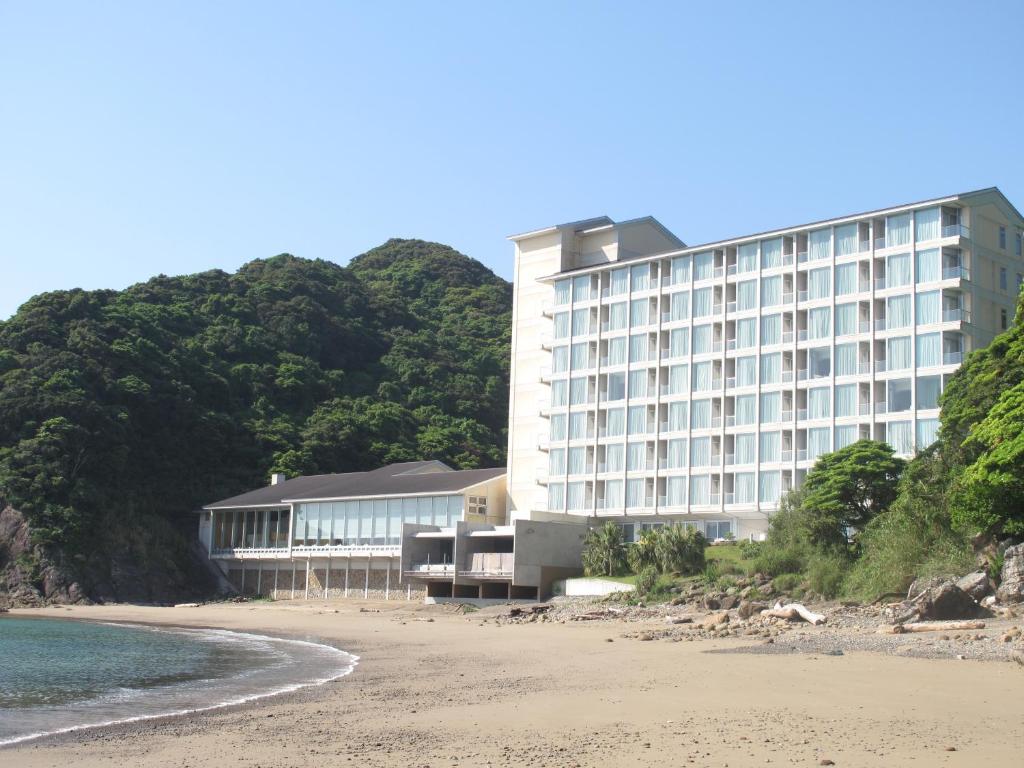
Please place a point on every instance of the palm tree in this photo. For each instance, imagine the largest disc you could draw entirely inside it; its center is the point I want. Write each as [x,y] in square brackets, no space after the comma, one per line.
[680,549]
[644,552]
[604,551]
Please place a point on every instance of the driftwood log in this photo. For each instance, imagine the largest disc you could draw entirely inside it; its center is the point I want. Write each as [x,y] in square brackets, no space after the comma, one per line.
[929,626]
[793,611]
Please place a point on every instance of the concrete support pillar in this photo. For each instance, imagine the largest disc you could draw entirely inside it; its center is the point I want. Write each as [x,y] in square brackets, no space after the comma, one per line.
[387,583]
[243,577]
[307,580]
[259,576]
[348,567]
[366,584]
[327,579]
[408,591]
[277,570]
[293,580]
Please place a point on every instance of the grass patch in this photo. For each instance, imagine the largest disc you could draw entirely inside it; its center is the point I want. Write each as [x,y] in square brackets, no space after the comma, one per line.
[728,560]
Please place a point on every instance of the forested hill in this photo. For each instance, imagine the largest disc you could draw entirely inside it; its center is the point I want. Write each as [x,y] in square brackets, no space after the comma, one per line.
[122,411]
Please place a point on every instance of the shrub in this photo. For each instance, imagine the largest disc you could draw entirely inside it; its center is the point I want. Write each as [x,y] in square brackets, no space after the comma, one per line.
[680,549]
[750,550]
[645,580]
[643,553]
[787,582]
[826,573]
[604,551]
[711,575]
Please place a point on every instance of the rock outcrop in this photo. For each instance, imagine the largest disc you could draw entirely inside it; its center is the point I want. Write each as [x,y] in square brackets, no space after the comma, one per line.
[1011,583]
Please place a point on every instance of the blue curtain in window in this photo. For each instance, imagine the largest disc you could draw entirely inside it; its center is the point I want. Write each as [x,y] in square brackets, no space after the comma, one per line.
[581,288]
[897,270]
[638,347]
[771,253]
[680,305]
[771,291]
[927,432]
[846,400]
[562,292]
[578,426]
[845,435]
[556,461]
[678,416]
[746,295]
[898,353]
[747,258]
[846,319]
[746,371]
[819,442]
[771,407]
[929,307]
[577,461]
[636,457]
[703,266]
[701,377]
[847,240]
[818,401]
[578,390]
[678,379]
[900,437]
[638,383]
[897,312]
[635,493]
[929,349]
[700,414]
[700,452]
[771,330]
[770,490]
[819,322]
[929,266]
[613,494]
[616,421]
[702,298]
[640,277]
[559,359]
[746,333]
[677,453]
[681,270]
[580,356]
[927,224]
[619,282]
[897,230]
[746,449]
[743,486]
[771,368]
[846,359]
[559,393]
[702,336]
[679,342]
[639,312]
[637,419]
[746,408]
[617,351]
[561,325]
[675,491]
[818,283]
[846,279]
[558,427]
[771,446]
[615,458]
[556,497]
[820,245]
[580,321]
[617,316]
[700,489]
[576,496]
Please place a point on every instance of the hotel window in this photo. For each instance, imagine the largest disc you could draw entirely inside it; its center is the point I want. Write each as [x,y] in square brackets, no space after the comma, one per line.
[770,487]
[619,282]
[1002,319]
[679,343]
[678,416]
[845,435]
[556,461]
[746,449]
[636,457]
[771,291]
[897,270]
[617,316]
[818,403]
[702,298]
[746,410]
[771,368]
[900,437]
[771,405]
[746,371]
[927,224]
[899,395]
[639,312]
[578,426]
[675,491]
[615,458]
[616,387]
[927,432]
[771,446]
[1002,279]
[576,496]
[678,379]
[897,230]
[680,306]
[638,383]
[581,288]
[700,452]
[638,344]
[847,241]
[928,390]
[580,356]
[771,253]
[846,279]
[562,292]
[746,333]
[929,350]
[701,377]
[747,258]
[700,414]
[819,323]
[928,307]
[703,265]
[846,400]
[702,336]
[1020,244]
[559,393]
[929,268]
[771,330]
[700,489]
[636,420]
[819,362]
[677,453]
[819,442]
[746,294]
[580,322]
[818,283]
[558,426]
[559,359]
[635,493]
[846,319]
[561,325]
[897,354]
[743,485]
[1002,238]
[556,496]
[578,390]
[577,461]
[681,270]
[640,277]
[820,245]
[897,312]
[616,351]
[613,495]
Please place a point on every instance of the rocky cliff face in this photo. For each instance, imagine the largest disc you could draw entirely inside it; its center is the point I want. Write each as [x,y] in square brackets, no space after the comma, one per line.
[31,575]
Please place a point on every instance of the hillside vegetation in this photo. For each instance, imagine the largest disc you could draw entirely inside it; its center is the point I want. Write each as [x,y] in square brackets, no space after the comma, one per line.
[122,411]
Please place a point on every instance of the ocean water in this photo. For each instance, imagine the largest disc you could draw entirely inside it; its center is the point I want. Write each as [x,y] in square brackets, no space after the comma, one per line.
[58,676]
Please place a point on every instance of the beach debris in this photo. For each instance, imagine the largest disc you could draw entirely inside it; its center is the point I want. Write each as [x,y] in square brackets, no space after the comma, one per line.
[186,605]
[1018,657]
[978,585]
[929,626]
[679,619]
[794,611]
[932,600]
[748,608]
[715,619]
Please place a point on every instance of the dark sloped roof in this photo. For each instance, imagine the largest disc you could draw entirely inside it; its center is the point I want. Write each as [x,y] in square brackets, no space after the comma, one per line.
[391,480]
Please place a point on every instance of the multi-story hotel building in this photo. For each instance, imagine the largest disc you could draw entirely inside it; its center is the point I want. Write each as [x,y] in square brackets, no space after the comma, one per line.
[654,382]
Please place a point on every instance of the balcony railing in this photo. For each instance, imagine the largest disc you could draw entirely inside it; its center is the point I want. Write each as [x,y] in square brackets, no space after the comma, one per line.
[714,498]
[880,324]
[879,243]
[730,420]
[802,295]
[730,270]
[716,346]
[952,358]
[801,374]
[730,498]
[730,459]
[956,315]
[863,286]
[718,272]
[956,273]
[880,284]
[787,297]
[864,246]
[801,455]
[956,230]
[801,414]
[787,455]
[730,383]
[730,307]
[787,259]
[864,409]
[864,326]
[787,376]
[802,334]
[431,568]
[801,257]
[787,337]
[880,406]
[786,415]
[880,366]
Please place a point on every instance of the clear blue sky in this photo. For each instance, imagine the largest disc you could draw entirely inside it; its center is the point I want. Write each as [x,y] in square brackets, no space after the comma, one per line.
[145,138]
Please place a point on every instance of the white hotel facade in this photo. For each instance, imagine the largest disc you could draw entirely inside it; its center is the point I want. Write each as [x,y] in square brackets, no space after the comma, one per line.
[655,383]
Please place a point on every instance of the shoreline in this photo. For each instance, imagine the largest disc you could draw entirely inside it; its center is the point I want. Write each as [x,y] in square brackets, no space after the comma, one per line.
[70,734]
[441,688]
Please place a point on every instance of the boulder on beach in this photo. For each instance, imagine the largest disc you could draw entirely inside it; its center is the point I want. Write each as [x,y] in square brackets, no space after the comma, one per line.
[1011,586]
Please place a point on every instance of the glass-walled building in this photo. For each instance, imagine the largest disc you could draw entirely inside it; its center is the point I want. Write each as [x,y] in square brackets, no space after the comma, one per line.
[698,385]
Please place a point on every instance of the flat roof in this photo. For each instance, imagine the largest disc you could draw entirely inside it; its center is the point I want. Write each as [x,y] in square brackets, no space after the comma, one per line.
[414,478]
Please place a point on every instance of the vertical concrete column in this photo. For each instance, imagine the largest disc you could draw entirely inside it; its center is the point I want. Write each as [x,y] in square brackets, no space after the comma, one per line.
[366,582]
[306,595]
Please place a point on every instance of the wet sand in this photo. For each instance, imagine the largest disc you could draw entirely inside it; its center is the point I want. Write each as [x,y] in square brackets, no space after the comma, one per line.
[461,690]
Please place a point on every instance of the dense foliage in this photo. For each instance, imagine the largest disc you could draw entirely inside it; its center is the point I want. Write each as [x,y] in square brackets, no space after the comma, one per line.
[604,551]
[140,405]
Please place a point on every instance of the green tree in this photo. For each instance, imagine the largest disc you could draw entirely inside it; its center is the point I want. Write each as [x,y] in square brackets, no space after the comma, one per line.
[643,553]
[680,549]
[604,551]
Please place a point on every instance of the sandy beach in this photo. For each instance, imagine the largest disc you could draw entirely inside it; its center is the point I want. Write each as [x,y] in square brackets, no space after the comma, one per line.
[438,688]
